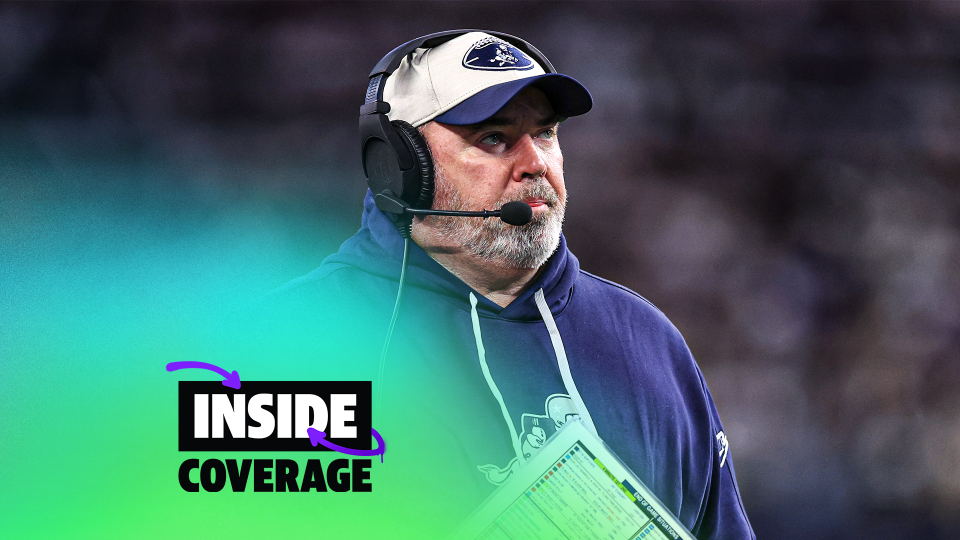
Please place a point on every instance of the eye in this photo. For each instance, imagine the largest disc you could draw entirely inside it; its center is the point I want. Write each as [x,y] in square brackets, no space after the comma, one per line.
[493,139]
[548,133]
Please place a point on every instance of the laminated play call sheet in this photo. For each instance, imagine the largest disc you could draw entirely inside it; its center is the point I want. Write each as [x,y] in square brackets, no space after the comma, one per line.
[574,488]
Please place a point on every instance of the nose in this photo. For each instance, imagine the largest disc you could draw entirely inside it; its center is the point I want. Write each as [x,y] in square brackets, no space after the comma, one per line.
[528,160]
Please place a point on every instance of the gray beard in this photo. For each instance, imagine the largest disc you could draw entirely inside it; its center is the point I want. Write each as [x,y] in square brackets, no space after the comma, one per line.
[527,246]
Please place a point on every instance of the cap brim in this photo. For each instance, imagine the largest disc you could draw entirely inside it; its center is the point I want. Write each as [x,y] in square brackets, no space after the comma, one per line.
[567,96]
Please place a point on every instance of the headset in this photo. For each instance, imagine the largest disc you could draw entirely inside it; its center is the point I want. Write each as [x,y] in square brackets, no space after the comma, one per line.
[396,158]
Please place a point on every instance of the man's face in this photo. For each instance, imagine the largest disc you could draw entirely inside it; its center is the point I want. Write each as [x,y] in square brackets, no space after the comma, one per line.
[513,156]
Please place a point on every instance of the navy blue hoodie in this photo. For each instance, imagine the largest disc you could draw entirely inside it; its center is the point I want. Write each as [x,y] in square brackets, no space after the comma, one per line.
[633,370]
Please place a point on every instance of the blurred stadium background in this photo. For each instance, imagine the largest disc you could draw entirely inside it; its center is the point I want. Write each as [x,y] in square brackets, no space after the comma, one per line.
[780,178]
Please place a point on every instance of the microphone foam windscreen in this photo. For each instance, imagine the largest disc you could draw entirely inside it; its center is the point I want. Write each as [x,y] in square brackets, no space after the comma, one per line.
[516,213]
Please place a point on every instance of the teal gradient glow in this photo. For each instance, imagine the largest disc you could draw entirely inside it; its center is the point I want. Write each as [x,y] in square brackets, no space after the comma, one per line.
[104,280]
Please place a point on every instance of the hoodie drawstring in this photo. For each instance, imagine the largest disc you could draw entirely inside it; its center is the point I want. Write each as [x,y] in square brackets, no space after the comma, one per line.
[562,362]
[515,439]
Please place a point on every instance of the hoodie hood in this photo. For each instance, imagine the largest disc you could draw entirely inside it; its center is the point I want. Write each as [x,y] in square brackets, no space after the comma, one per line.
[377,249]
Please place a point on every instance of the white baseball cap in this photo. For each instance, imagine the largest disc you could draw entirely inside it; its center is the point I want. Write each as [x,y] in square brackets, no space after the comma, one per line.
[469,78]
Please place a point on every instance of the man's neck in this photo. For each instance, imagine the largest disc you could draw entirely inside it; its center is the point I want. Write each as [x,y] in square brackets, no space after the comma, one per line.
[500,283]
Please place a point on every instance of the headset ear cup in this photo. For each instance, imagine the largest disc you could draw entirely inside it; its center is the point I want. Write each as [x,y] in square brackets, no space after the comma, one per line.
[421,152]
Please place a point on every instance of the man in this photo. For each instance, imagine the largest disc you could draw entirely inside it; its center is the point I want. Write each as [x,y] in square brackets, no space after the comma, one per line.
[501,338]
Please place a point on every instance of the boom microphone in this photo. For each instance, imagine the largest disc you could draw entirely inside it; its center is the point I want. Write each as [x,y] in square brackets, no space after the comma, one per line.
[514,213]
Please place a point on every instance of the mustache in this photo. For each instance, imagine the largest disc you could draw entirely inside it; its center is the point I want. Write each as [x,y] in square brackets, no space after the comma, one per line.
[535,190]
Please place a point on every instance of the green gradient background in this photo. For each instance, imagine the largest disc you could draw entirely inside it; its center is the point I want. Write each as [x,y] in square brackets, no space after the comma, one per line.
[104,280]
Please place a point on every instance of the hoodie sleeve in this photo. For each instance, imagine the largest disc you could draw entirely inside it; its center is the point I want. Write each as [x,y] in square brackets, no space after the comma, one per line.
[722,516]
[651,405]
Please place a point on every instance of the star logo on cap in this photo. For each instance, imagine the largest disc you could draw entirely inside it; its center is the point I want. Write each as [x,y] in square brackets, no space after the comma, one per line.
[494,54]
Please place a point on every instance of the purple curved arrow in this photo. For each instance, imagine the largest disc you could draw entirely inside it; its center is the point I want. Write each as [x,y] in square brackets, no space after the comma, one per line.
[318,437]
[229,379]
